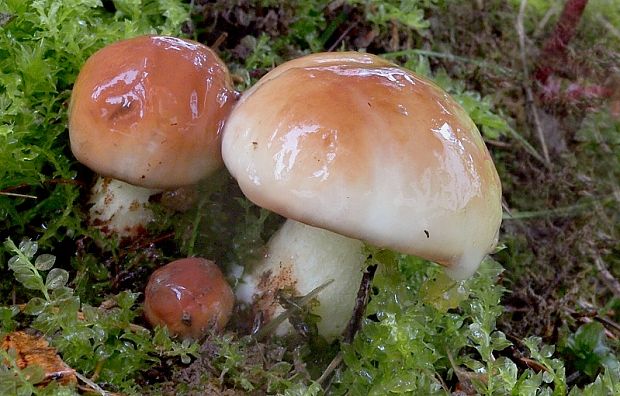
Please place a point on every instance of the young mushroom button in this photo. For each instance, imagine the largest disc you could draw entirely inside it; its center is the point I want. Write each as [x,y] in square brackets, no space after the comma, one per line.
[353,144]
[149,111]
[190,297]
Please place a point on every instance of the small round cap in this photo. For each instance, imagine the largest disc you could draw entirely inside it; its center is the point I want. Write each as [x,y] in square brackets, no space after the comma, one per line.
[354,144]
[189,296]
[150,110]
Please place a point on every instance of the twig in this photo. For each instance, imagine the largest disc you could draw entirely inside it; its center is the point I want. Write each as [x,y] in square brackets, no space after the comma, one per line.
[498,143]
[361,301]
[450,57]
[527,145]
[275,322]
[91,384]
[341,37]
[611,28]
[608,322]
[7,191]
[360,304]
[97,371]
[527,85]
[220,39]
[590,313]
[612,283]
[333,365]
[465,377]
[440,380]
[8,194]
[553,10]
[565,211]
[143,244]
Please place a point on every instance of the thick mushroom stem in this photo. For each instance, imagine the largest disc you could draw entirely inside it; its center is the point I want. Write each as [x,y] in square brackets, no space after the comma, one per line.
[299,259]
[119,208]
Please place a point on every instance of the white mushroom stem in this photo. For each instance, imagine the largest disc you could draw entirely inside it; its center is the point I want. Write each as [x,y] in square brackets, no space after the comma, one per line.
[120,208]
[299,259]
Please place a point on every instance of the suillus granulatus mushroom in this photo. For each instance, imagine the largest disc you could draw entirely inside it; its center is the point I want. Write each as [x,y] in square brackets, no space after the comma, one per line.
[147,111]
[355,145]
[190,297]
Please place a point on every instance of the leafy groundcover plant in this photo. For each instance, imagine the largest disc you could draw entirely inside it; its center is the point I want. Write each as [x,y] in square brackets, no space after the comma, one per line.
[421,332]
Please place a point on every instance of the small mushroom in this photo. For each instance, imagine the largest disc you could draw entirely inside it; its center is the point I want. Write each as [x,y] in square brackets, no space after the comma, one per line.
[148,111]
[190,297]
[353,144]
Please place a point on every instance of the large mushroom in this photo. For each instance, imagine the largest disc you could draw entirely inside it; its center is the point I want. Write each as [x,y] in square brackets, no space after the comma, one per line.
[147,111]
[354,145]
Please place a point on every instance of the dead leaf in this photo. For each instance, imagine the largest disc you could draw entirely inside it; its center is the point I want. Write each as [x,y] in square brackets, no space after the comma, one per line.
[35,351]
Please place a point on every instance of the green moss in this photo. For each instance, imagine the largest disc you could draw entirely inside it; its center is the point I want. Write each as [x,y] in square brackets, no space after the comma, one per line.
[95,341]
[43,44]
[422,333]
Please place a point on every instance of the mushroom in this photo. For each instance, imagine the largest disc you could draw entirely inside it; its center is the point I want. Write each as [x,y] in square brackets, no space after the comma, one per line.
[190,297]
[299,259]
[148,111]
[353,144]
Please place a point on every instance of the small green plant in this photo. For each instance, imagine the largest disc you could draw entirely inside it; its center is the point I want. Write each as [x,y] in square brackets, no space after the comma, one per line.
[409,343]
[424,329]
[409,14]
[96,341]
[27,273]
[588,346]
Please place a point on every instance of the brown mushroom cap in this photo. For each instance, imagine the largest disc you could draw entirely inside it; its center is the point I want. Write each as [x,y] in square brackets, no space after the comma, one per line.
[354,144]
[150,110]
[189,296]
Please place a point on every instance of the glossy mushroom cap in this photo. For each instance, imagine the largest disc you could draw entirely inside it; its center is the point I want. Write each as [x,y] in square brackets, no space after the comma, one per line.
[150,110]
[190,297]
[351,143]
